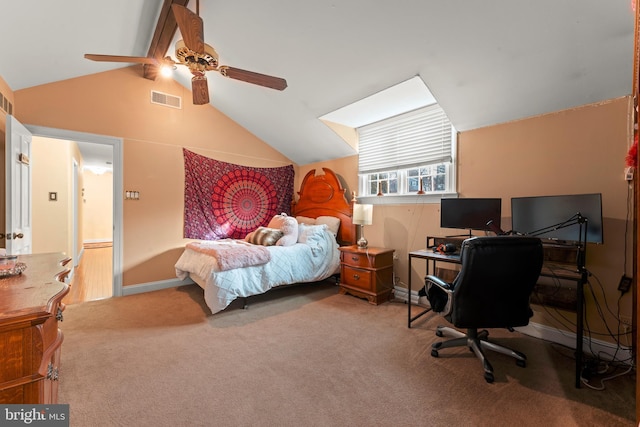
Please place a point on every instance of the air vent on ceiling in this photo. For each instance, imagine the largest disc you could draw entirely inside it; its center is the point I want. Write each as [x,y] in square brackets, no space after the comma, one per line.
[166,99]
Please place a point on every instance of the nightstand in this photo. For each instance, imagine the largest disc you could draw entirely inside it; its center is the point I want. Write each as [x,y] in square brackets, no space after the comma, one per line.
[366,273]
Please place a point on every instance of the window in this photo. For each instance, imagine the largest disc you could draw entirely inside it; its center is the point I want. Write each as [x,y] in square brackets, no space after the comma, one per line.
[409,154]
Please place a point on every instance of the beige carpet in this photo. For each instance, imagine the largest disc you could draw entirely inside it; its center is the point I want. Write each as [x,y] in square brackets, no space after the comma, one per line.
[307,356]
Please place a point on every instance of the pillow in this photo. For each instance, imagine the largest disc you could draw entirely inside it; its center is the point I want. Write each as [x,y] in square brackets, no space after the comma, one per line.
[305,220]
[333,223]
[289,227]
[308,233]
[264,236]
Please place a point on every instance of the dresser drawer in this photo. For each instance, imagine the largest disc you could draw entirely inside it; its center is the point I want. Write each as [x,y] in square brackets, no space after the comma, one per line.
[357,277]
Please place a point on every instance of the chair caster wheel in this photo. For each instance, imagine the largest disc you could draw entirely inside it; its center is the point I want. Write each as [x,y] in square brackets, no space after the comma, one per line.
[434,353]
[488,376]
[439,333]
[521,363]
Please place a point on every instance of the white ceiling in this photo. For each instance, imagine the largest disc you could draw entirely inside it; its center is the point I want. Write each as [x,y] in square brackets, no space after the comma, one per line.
[486,62]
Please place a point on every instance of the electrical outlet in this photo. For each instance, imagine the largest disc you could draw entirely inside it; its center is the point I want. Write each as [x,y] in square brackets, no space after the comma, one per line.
[628,173]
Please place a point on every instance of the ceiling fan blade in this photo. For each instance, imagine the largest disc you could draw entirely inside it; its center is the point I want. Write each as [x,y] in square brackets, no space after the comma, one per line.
[191,27]
[119,58]
[200,90]
[255,78]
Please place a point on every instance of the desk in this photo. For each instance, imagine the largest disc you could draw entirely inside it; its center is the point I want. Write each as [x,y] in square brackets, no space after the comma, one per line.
[557,270]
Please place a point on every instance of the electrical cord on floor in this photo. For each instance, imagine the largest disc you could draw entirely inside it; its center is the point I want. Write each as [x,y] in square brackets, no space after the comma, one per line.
[585,381]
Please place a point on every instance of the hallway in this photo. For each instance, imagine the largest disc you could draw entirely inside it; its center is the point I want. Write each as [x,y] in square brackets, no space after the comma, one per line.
[93,279]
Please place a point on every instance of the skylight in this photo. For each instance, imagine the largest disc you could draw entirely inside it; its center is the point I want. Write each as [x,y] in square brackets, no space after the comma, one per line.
[406,96]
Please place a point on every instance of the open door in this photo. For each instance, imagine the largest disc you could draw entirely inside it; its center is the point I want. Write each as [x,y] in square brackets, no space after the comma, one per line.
[17,231]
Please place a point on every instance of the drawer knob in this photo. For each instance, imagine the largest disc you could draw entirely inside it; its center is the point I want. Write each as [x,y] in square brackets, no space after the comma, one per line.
[355,258]
[356,277]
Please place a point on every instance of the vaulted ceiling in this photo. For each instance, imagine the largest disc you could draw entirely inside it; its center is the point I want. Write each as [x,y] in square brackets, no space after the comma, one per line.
[486,62]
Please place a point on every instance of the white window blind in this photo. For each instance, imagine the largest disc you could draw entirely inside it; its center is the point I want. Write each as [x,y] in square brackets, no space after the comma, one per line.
[417,138]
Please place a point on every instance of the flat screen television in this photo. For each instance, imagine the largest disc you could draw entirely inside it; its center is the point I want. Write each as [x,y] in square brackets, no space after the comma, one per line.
[471,213]
[553,217]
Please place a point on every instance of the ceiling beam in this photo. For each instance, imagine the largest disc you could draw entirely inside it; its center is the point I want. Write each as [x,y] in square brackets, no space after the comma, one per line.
[165,30]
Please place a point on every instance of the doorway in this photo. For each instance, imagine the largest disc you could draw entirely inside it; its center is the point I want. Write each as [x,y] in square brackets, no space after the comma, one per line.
[114,145]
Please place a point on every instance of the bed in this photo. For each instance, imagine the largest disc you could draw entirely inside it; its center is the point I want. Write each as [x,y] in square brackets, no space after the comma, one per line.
[228,269]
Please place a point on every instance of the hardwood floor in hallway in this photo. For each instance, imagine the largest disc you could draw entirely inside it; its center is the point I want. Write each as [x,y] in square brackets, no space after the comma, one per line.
[93,278]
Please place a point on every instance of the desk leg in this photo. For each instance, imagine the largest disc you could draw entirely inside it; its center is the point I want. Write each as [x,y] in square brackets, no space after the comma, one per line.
[409,295]
[580,326]
[422,313]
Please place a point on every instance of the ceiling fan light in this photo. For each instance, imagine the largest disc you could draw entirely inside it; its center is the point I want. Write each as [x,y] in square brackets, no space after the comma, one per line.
[167,70]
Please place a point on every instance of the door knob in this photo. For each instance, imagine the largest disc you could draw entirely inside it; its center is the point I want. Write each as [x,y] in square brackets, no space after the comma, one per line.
[18,236]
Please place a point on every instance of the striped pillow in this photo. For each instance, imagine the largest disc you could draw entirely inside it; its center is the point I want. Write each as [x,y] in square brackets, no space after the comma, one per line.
[264,236]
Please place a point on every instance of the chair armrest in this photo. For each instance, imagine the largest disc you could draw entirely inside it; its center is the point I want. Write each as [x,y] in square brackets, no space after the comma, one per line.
[439,294]
[438,282]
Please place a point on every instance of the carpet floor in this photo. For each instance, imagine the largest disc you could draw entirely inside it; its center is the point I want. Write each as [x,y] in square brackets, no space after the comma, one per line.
[308,356]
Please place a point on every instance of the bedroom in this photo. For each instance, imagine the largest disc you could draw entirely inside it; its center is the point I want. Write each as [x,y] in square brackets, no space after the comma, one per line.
[569,151]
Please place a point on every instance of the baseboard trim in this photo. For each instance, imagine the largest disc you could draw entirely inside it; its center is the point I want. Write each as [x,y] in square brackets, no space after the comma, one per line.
[590,346]
[106,240]
[594,347]
[154,286]
[401,294]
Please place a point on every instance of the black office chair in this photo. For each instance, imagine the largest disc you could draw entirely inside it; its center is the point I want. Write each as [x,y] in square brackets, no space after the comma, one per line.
[491,290]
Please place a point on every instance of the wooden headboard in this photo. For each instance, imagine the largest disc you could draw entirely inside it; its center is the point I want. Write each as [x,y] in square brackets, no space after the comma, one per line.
[321,195]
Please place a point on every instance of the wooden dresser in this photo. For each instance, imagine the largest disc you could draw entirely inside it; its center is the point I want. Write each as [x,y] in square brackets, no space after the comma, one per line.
[30,341]
[367,273]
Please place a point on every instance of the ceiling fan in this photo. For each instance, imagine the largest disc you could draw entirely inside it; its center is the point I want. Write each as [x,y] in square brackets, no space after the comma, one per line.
[198,56]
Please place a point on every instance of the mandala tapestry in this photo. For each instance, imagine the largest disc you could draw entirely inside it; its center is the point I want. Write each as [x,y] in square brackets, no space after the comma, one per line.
[223,200]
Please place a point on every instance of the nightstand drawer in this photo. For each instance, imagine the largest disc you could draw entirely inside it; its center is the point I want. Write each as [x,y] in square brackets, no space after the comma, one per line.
[357,277]
[360,259]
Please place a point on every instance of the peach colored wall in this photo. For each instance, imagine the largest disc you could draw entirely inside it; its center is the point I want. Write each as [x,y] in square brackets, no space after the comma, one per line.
[568,152]
[97,201]
[116,103]
[51,171]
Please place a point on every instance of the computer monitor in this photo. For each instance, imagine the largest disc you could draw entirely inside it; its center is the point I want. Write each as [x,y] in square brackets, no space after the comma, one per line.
[471,213]
[550,217]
